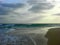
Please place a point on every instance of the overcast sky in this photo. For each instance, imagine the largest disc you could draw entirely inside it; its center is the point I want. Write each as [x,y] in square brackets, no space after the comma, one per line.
[29,11]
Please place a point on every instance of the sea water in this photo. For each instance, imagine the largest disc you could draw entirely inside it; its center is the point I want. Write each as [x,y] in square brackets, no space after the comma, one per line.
[24,34]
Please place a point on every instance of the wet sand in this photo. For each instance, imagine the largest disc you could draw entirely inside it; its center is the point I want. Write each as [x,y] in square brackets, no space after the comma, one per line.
[53,36]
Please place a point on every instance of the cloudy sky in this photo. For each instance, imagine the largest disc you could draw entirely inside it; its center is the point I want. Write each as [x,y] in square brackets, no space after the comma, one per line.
[29,11]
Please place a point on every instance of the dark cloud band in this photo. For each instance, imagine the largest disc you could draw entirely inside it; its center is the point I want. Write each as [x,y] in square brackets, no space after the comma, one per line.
[5,8]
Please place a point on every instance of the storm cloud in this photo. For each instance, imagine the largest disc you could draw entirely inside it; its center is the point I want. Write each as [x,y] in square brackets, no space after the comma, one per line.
[6,8]
[40,7]
[28,12]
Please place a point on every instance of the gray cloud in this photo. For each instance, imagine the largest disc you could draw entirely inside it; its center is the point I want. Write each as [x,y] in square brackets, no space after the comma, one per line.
[6,8]
[40,7]
[22,13]
[33,2]
[58,14]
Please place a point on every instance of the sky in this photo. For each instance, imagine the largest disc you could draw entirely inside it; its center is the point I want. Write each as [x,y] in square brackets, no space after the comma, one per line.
[30,11]
[13,1]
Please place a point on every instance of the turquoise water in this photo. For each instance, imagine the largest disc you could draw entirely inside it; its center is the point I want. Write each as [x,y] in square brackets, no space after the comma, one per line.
[26,25]
[6,27]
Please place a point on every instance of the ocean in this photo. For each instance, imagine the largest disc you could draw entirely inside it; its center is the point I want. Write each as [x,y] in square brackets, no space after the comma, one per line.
[25,34]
